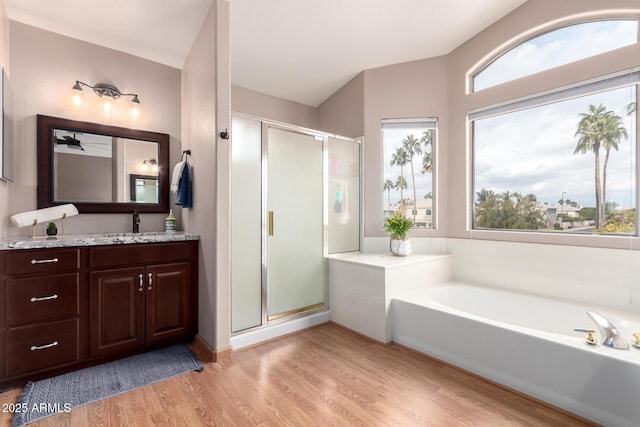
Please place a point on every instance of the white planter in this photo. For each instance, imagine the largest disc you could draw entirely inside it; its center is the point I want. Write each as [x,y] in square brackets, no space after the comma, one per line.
[400,247]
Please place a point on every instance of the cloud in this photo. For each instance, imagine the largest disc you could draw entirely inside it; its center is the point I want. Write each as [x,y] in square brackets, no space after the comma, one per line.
[531,151]
[558,47]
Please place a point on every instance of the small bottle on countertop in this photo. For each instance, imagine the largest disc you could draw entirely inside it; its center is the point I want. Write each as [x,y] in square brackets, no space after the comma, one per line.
[170,223]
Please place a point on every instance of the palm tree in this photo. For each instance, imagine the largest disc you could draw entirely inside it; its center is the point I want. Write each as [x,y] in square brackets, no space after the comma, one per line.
[615,132]
[412,146]
[427,165]
[400,158]
[388,186]
[401,183]
[427,140]
[631,108]
[596,128]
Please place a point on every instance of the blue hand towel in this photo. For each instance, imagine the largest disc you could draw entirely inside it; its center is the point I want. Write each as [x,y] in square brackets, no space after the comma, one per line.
[184,196]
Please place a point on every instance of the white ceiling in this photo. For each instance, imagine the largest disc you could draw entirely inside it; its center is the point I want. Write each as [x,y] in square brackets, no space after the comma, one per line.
[301,50]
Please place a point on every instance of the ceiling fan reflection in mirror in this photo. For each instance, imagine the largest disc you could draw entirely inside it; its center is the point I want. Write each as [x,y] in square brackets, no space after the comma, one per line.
[82,143]
[70,142]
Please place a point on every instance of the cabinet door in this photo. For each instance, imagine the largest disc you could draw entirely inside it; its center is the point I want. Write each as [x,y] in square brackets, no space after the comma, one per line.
[168,301]
[117,300]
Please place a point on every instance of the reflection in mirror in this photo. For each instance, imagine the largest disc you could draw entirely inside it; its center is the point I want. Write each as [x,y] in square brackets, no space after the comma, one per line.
[143,188]
[95,168]
[101,168]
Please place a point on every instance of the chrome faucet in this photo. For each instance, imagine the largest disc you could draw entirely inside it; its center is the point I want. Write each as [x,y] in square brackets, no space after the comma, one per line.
[610,336]
[136,221]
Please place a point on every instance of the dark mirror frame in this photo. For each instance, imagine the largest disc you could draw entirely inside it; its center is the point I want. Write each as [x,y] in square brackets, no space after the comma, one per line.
[45,127]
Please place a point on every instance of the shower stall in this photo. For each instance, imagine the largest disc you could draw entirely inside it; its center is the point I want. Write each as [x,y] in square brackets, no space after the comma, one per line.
[295,198]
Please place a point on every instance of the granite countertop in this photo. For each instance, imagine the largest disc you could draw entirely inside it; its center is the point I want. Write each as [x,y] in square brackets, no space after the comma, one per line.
[40,242]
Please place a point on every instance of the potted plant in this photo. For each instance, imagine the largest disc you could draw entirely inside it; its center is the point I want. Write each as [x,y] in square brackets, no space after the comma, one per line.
[397,226]
[52,230]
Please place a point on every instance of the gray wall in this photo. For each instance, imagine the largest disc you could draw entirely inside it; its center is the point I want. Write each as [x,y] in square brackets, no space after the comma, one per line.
[343,112]
[5,201]
[45,66]
[534,15]
[250,102]
[205,103]
[437,87]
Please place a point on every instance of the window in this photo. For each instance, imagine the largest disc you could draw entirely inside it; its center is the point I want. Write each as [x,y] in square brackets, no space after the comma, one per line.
[559,162]
[555,48]
[409,164]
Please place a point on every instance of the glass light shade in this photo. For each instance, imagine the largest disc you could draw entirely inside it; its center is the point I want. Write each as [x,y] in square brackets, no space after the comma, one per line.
[145,166]
[106,104]
[134,110]
[77,97]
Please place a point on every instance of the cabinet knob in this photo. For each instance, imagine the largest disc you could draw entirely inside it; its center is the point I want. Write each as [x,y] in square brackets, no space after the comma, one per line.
[141,278]
[150,282]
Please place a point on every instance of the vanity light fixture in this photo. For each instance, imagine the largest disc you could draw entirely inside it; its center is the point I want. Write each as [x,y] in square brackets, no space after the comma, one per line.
[107,93]
[149,165]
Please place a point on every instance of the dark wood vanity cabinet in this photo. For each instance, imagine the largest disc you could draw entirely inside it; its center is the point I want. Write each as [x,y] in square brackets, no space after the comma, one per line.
[40,310]
[133,306]
[70,306]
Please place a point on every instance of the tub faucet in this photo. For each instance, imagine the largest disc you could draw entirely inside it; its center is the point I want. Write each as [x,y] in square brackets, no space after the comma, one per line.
[610,336]
[136,221]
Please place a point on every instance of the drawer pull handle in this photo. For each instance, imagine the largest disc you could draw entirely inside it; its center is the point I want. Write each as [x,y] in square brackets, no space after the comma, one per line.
[42,347]
[141,278]
[150,282]
[36,299]
[44,261]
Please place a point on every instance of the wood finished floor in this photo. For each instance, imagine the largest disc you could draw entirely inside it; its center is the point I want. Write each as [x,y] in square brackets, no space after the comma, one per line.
[325,376]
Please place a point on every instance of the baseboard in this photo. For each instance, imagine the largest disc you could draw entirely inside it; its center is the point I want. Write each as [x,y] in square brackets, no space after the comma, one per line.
[263,334]
[223,354]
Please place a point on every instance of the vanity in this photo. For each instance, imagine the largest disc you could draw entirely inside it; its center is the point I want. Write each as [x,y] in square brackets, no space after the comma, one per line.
[75,301]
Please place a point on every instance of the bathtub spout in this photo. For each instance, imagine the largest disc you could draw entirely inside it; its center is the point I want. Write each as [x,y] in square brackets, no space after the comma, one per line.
[610,336]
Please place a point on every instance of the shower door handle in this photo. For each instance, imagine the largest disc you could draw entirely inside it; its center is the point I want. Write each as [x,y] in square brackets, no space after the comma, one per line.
[270,223]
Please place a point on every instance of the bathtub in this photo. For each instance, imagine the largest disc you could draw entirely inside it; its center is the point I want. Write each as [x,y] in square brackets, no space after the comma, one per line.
[526,343]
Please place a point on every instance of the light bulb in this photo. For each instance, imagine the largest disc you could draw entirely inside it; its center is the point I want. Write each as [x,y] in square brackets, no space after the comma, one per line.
[134,110]
[107,107]
[77,99]
[76,95]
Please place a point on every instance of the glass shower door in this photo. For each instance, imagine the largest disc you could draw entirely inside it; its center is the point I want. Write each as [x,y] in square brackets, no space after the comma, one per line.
[294,264]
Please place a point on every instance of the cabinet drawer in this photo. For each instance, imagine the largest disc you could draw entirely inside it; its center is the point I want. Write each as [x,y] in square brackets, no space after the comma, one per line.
[111,256]
[41,298]
[31,348]
[42,261]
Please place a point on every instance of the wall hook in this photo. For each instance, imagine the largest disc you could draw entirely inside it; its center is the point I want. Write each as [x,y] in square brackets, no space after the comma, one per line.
[224,134]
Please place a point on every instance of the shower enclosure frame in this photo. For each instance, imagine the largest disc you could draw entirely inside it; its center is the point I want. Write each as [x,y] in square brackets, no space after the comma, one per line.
[266,124]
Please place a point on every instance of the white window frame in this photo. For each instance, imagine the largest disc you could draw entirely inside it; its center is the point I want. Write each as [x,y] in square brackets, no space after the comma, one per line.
[403,123]
[593,86]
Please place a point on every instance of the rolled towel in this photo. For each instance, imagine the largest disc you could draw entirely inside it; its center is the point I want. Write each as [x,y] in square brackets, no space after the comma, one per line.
[177,174]
[39,216]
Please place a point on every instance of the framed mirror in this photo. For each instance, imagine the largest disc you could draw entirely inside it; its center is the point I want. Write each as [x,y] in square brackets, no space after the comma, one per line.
[100,168]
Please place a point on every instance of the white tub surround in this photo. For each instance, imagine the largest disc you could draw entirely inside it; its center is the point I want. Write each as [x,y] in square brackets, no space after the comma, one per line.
[361,287]
[526,343]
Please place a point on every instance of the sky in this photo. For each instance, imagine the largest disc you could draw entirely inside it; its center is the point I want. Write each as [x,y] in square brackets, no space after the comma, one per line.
[392,140]
[556,48]
[531,151]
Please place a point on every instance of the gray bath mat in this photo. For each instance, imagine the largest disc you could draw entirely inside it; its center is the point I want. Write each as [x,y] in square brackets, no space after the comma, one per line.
[41,399]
